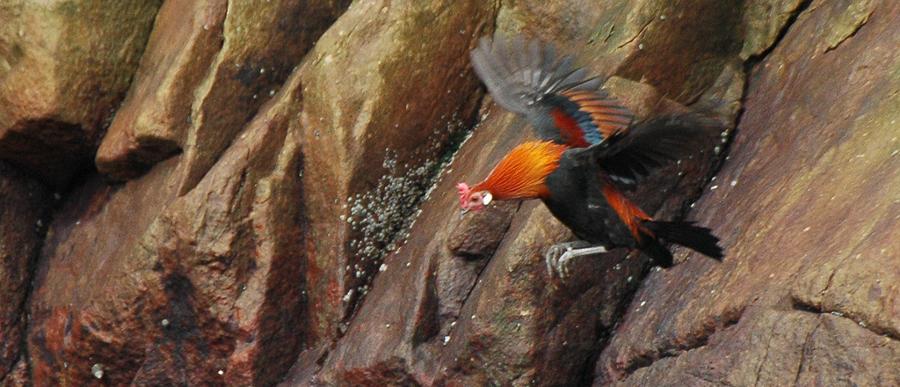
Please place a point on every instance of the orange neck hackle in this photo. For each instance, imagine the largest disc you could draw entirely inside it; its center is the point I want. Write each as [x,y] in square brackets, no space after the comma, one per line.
[522,173]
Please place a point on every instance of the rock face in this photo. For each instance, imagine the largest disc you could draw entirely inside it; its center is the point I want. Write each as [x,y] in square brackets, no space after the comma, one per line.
[273,197]
[65,66]
[383,99]
[153,121]
[808,208]
[22,212]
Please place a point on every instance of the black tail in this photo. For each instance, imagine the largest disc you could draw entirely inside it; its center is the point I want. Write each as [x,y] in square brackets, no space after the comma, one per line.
[699,239]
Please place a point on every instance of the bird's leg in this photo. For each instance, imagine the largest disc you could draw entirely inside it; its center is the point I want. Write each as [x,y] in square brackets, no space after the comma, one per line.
[554,254]
[562,266]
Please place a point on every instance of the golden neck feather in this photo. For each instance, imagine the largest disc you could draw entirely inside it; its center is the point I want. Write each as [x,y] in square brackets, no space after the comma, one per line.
[521,174]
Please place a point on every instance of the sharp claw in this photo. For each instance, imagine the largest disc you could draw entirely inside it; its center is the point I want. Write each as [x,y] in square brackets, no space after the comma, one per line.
[558,257]
[549,262]
[563,263]
[550,258]
[559,268]
[567,261]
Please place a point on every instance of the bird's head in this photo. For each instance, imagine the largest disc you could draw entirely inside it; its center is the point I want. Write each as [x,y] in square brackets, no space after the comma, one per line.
[520,174]
[473,200]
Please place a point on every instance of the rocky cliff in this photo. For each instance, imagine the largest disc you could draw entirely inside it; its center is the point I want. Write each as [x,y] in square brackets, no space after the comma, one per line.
[259,193]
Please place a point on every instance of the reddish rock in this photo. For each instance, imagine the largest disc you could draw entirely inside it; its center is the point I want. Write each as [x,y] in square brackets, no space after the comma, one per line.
[231,253]
[155,288]
[64,68]
[18,376]
[22,215]
[93,283]
[806,212]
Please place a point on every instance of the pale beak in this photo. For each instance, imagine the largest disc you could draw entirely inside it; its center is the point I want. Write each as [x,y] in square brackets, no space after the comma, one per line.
[463,212]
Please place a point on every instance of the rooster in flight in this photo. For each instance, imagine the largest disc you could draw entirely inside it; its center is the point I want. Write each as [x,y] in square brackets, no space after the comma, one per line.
[587,152]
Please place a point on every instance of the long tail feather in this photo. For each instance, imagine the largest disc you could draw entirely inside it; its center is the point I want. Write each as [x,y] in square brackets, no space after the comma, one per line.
[699,239]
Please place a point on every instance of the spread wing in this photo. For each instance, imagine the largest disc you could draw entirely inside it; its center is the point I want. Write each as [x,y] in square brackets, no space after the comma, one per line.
[648,146]
[528,78]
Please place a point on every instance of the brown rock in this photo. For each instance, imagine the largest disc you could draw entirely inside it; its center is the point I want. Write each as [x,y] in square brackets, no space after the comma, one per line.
[527,328]
[677,47]
[153,120]
[817,137]
[18,376]
[231,253]
[208,68]
[478,235]
[94,281]
[525,323]
[22,212]
[64,68]
[385,90]
[262,44]
[304,227]
[154,288]
[699,37]
[770,347]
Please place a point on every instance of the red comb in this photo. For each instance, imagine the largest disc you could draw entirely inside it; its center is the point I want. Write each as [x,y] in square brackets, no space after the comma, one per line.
[464,192]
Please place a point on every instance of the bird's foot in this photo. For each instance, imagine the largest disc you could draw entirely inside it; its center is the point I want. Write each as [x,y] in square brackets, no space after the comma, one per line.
[558,256]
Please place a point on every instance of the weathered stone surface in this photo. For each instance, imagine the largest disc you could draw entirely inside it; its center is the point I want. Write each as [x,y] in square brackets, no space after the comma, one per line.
[22,211]
[301,227]
[531,328]
[479,236]
[764,21]
[158,289]
[775,348]
[678,47]
[236,243]
[808,212]
[88,252]
[526,325]
[262,44]
[384,90]
[209,67]
[18,376]
[64,68]
[153,120]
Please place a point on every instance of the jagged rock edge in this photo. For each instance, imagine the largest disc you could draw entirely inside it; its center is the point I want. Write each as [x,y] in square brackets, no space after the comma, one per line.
[806,307]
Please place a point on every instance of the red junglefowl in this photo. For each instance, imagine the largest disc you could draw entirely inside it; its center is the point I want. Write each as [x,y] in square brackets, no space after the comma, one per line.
[557,99]
[588,150]
[577,186]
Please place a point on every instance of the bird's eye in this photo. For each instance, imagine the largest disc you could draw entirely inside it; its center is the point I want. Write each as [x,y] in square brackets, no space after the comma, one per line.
[487,198]
[473,199]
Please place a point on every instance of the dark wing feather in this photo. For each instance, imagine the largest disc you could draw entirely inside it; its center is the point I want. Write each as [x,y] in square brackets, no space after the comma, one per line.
[648,146]
[528,78]
[519,74]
